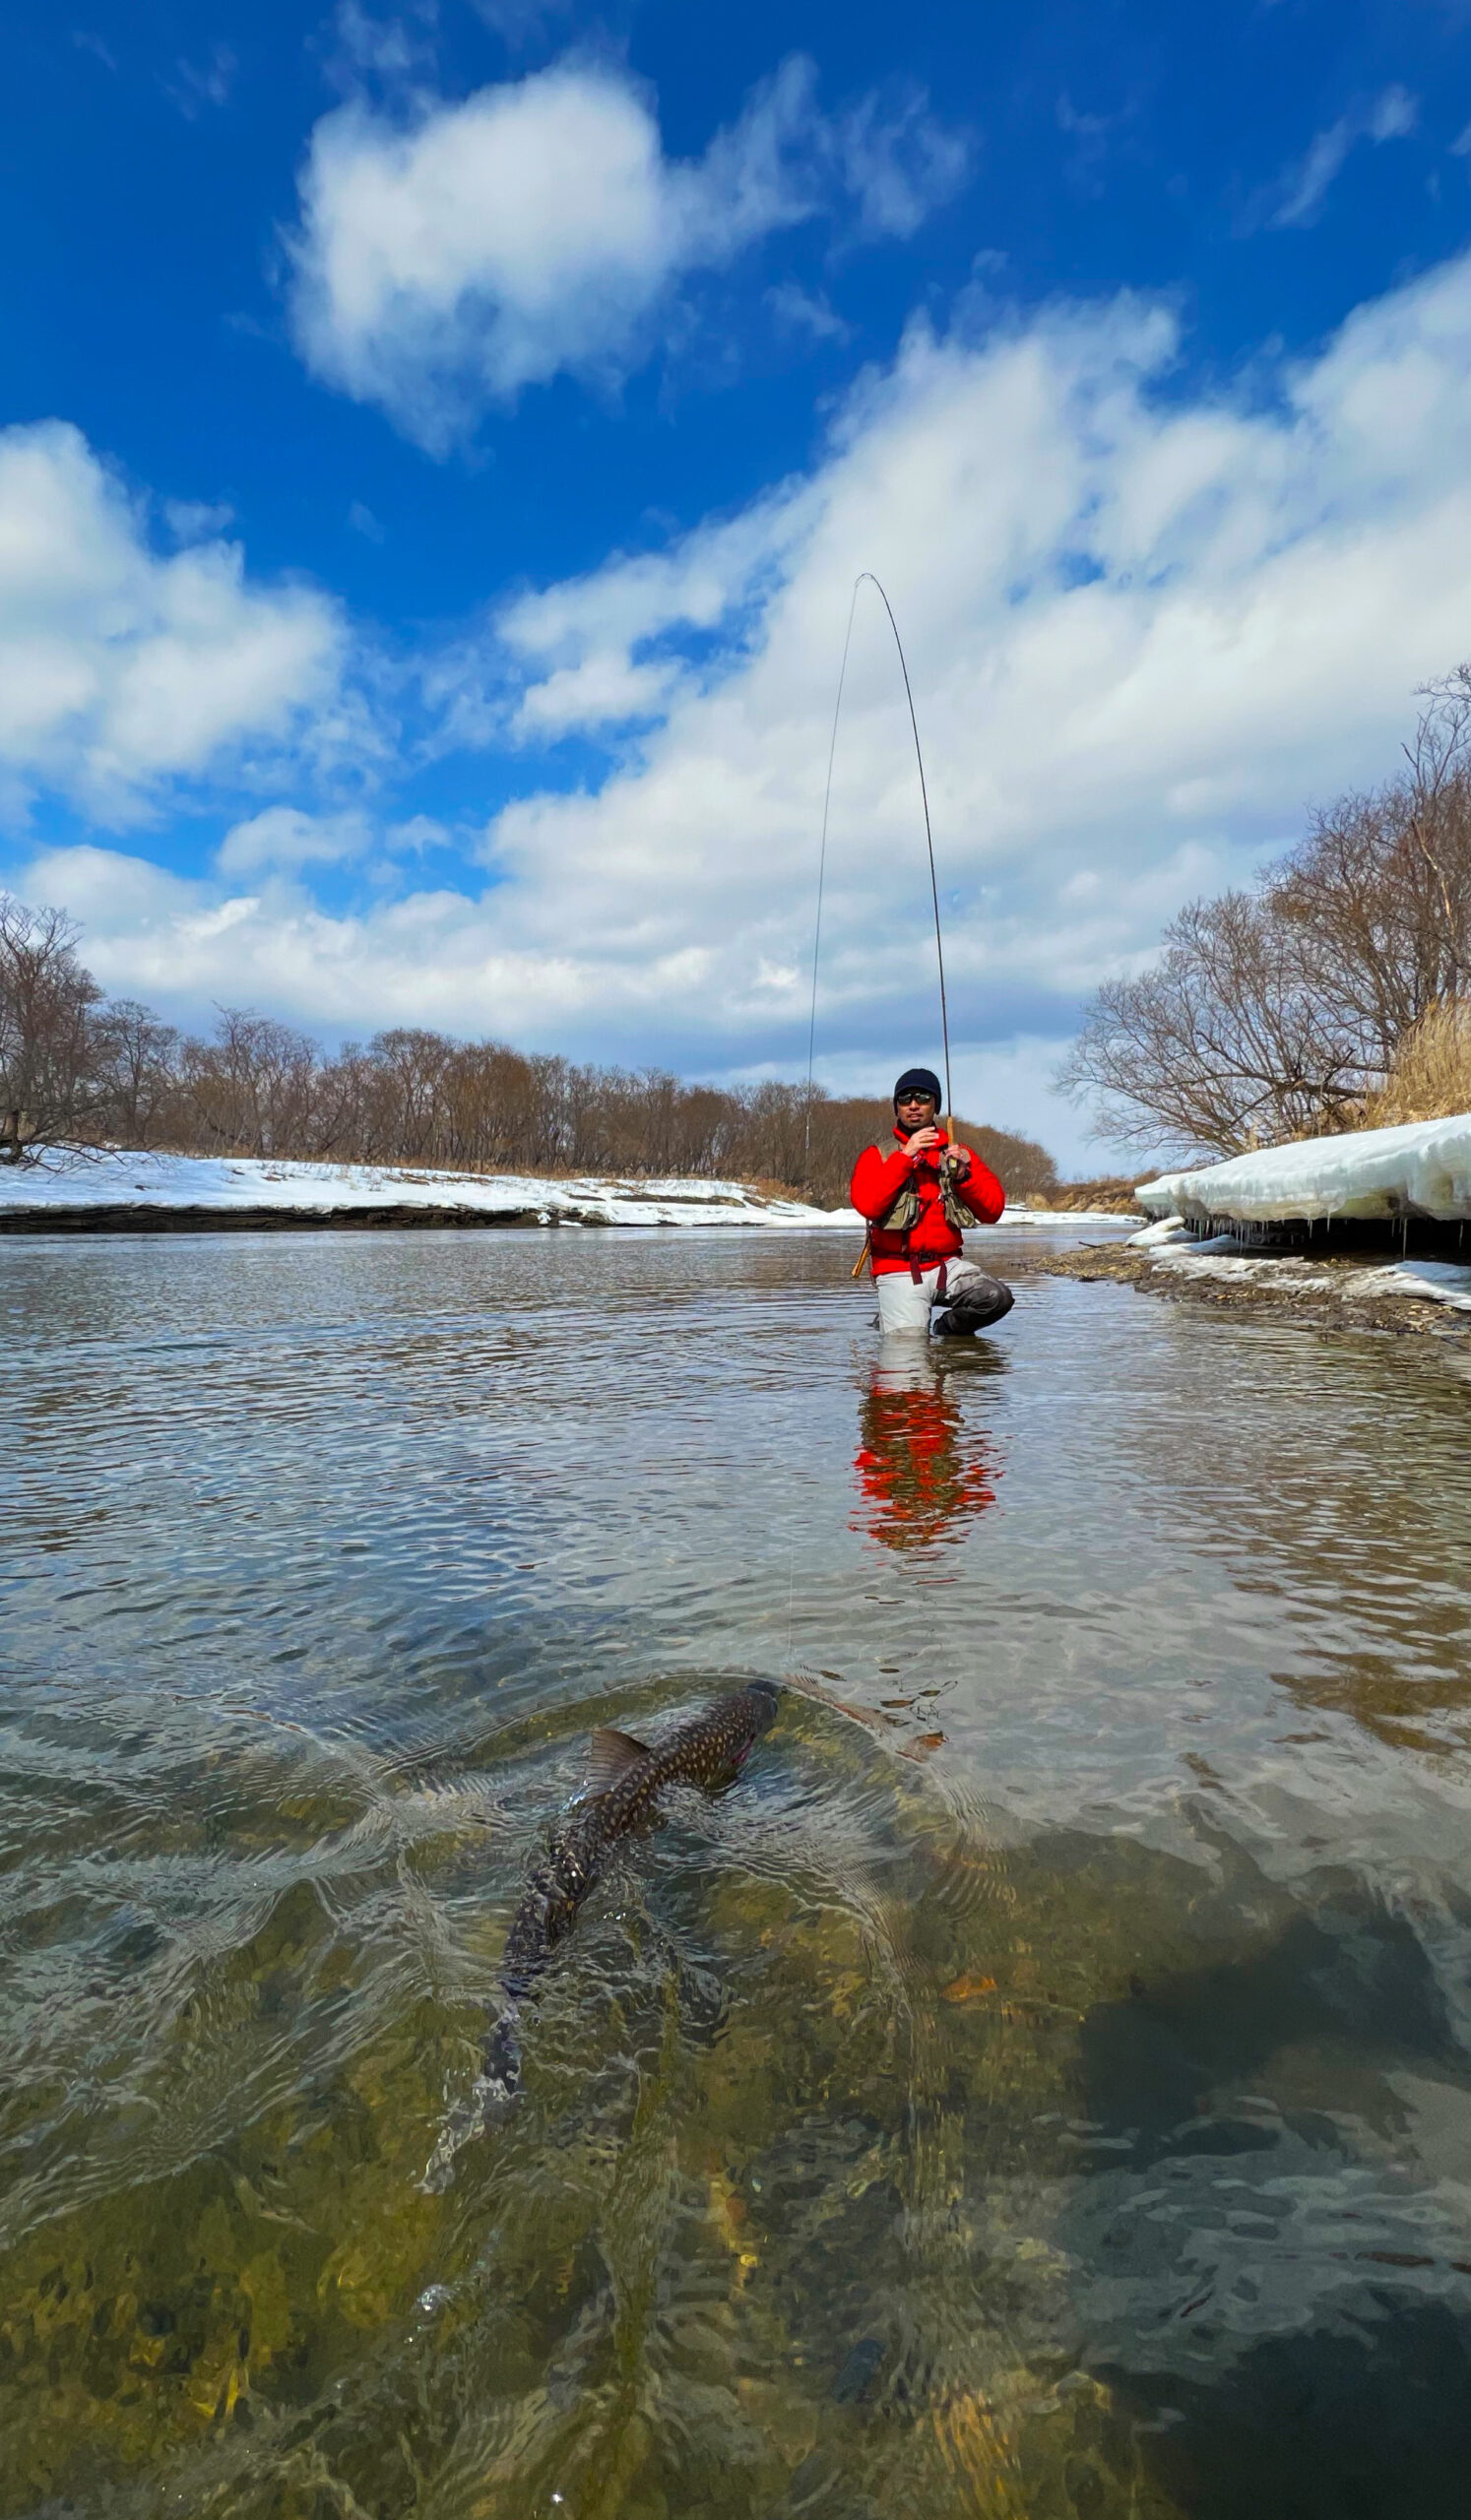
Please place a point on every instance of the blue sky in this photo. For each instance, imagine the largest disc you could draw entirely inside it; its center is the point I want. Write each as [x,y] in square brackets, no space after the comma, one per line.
[438,446]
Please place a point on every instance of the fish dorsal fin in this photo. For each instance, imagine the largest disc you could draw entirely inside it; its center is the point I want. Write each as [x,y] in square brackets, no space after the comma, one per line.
[611,1756]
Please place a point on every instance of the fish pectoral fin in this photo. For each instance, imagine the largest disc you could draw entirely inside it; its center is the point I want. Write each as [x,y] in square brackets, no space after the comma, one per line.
[611,1755]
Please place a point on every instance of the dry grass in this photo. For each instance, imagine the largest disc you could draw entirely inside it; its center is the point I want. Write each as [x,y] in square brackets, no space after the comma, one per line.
[1112,1191]
[1430,1079]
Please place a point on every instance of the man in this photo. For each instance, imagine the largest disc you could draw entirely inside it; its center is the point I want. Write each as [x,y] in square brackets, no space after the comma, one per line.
[916,1201]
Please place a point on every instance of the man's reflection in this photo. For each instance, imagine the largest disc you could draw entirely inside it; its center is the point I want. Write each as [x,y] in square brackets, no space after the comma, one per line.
[923,1473]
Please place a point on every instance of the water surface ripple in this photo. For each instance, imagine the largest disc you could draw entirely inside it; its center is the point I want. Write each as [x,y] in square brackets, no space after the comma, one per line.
[1050,2094]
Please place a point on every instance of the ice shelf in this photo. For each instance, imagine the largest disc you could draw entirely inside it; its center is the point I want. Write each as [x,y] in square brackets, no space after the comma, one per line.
[1423,1170]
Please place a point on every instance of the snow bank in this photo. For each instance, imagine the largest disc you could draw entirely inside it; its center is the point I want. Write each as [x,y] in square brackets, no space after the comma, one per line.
[1420,1171]
[1431,1280]
[71,1186]
[1440,1279]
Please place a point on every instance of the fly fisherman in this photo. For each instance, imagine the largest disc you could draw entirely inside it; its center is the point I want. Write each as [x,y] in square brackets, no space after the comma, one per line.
[917,1202]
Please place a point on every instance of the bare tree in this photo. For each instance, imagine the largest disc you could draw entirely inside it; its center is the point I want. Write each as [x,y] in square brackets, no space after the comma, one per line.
[51,1084]
[138,1082]
[1379,891]
[412,1063]
[252,1088]
[1279,1014]
[1441,826]
[1231,1039]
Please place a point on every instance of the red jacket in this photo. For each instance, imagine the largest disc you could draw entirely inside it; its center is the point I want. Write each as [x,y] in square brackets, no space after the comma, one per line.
[877,1181]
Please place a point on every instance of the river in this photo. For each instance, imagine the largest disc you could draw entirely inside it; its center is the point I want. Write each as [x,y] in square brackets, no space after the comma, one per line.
[1049,2095]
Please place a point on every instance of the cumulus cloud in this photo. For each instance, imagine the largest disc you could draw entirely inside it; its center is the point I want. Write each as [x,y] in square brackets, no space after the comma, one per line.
[604,689]
[1145,625]
[123,669]
[446,261]
[1297,196]
[284,836]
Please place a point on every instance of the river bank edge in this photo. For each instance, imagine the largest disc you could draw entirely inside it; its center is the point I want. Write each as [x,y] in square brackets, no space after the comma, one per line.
[1346,1306]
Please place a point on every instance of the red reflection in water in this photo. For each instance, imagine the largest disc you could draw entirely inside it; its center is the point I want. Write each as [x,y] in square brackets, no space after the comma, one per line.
[923,1473]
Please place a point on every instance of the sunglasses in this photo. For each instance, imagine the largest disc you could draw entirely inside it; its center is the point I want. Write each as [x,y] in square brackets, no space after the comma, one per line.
[907,1102]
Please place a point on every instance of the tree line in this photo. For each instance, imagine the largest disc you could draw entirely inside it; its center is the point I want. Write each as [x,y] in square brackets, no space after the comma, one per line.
[1284,1009]
[83,1070]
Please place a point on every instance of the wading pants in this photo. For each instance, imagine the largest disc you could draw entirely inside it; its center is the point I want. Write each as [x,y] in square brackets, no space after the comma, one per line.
[971,1302]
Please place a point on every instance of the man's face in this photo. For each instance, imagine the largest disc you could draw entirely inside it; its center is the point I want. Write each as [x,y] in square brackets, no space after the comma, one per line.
[915,1112]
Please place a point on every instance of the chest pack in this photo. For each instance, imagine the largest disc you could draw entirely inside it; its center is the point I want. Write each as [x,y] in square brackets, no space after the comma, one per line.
[909,1207]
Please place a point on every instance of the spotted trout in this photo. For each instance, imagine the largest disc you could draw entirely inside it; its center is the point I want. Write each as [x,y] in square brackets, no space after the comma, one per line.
[624,1781]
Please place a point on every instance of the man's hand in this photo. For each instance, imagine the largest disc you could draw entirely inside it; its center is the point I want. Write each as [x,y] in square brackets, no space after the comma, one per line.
[959,1162]
[923,1140]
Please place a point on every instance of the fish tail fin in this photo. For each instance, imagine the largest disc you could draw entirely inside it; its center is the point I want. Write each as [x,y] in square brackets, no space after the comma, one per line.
[495,2088]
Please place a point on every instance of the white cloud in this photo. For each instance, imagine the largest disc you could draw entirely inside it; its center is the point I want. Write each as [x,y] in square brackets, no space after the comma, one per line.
[196,520]
[448,261]
[1144,628]
[560,660]
[285,837]
[1299,194]
[417,835]
[520,22]
[122,669]
[604,690]
[899,163]
[387,48]
[799,311]
[196,85]
[84,42]
[433,956]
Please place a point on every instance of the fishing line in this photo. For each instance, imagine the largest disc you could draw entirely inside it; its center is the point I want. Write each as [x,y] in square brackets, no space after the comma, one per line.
[827,798]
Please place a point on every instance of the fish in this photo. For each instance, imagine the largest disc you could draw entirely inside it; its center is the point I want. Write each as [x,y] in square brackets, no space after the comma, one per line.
[625,1779]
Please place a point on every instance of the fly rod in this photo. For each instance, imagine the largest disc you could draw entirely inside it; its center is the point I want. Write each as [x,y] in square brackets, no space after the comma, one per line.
[868,576]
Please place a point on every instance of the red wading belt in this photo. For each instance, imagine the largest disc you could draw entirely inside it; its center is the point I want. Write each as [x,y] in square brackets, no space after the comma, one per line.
[917,1274]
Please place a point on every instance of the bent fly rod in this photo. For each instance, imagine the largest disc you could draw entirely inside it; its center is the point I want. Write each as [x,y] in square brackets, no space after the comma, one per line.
[865,576]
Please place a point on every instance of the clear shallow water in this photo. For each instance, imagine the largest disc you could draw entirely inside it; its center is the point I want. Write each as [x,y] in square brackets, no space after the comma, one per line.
[1072,2115]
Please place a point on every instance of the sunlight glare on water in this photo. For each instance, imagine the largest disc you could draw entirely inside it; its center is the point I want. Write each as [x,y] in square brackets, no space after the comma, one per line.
[1050,2094]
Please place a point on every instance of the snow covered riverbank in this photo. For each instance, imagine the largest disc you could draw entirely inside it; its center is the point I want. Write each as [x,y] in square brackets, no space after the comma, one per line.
[1423,1170]
[118,1192]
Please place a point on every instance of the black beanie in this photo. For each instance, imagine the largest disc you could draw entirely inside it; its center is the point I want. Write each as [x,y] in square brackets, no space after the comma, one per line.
[918,1080]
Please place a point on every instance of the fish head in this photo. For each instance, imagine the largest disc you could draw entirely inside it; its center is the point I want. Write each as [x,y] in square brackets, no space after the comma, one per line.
[765,1705]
